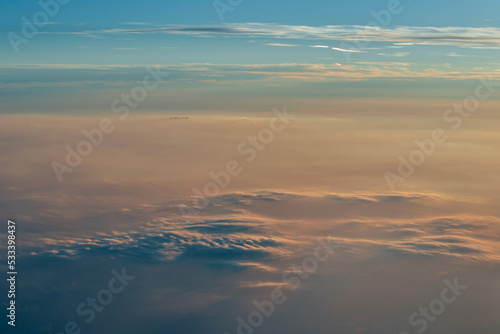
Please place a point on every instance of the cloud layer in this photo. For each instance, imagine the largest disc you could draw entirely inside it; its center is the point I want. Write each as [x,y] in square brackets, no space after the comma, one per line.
[471,36]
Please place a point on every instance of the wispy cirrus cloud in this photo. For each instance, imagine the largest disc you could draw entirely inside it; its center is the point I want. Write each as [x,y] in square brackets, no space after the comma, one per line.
[281,44]
[460,36]
[345,50]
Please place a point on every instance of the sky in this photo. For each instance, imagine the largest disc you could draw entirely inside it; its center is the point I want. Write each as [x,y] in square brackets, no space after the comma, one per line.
[260,167]
[410,49]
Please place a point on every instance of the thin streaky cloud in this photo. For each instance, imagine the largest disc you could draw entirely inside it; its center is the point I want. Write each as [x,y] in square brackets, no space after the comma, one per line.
[345,50]
[459,36]
[280,44]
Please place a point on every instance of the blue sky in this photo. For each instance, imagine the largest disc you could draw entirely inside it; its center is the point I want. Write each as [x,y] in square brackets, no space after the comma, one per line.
[319,12]
[322,48]
[124,48]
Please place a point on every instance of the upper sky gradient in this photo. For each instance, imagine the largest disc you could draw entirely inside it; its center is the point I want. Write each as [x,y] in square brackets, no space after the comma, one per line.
[83,54]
